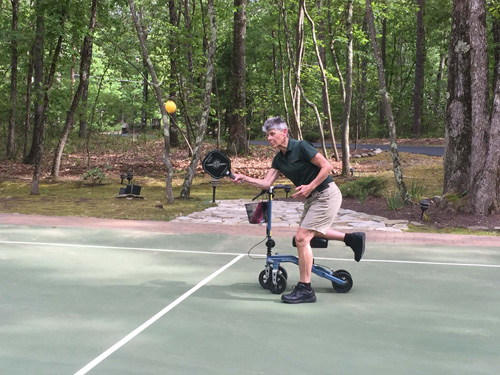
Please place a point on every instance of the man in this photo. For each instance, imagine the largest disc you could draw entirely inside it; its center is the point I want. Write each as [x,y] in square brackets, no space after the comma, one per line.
[310,172]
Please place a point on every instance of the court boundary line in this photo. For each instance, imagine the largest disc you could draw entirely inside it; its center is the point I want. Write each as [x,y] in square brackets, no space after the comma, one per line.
[154,318]
[117,247]
[260,256]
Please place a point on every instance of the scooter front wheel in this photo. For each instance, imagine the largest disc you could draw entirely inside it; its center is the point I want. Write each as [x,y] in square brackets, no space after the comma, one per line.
[280,284]
[263,279]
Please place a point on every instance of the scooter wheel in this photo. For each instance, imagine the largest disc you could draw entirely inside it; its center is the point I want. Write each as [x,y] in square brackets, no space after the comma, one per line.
[341,271]
[282,272]
[344,276]
[280,284]
[263,278]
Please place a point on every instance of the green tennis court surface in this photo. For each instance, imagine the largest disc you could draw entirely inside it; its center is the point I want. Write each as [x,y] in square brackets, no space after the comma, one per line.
[95,301]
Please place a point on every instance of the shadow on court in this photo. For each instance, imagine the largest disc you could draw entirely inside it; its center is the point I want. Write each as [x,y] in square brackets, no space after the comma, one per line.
[103,301]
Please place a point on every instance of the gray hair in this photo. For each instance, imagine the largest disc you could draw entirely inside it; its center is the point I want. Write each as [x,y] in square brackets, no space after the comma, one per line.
[274,123]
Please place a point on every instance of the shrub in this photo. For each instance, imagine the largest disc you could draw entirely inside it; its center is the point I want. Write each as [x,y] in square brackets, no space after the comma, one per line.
[394,200]
[363,188]
[94,176]
[416,191]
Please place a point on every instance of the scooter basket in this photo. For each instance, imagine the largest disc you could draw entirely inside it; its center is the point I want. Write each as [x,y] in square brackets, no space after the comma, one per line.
[257,212]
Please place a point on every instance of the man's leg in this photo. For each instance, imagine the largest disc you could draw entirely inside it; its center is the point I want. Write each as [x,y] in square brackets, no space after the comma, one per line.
[303,291]
[303,240]
[356,241]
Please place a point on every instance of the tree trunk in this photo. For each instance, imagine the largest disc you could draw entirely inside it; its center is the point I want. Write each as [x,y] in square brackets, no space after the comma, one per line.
[419,71]
[283,82]
[458,109]
[398,173]
[484,172]
[237,143]
[82,130]
[324,90]
[49,79]
[173,46]
[27,120]
[86,59]
[186,187]
[145,95]
[496,49]
[161,104]
[361,113]
[439,80]
[293,70]
[11,145]
[348,92]
[39,128]
[299,56]
[334,53]
[383,48]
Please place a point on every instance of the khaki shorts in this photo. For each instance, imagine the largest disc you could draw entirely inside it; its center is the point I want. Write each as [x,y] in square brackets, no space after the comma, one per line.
[321,208]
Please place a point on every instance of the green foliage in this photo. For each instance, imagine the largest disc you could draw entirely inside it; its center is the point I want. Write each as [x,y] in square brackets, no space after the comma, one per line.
[363,188]
[452,198]
[394,200]
[416,191]
[94,176]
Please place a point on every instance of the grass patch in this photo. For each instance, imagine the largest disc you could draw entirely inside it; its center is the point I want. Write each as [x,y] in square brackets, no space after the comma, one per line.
[462,231]
[427,170]
[73,198]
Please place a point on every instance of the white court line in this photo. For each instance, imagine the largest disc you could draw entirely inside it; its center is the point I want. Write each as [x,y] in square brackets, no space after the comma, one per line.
[115,247]
[145,325]
[364,260]
[253,255]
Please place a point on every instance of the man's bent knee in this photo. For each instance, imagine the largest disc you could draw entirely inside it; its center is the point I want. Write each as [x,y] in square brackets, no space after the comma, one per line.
[303,237]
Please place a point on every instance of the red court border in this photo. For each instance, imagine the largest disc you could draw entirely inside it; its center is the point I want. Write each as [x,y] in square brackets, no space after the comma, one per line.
[241,229]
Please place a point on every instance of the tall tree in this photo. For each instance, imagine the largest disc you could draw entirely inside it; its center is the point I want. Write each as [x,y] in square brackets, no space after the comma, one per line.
[495,28]
[86,59]
[202,128]
[348,91]
[160,101]
[27,117]
[11,145]
[39,127]
[39,94]
[324,89]
[484,188]
[419,70]
[458,109]
[383,53]
[391,125]
[237,143]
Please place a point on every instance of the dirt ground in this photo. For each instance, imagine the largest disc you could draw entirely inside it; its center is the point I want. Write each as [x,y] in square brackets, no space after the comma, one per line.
[145,160]
[434,217]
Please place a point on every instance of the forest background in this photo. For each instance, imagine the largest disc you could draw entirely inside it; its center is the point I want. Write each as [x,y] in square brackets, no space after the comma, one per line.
[75,71]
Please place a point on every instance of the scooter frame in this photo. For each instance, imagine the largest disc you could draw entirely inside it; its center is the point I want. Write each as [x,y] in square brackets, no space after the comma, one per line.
[274,276]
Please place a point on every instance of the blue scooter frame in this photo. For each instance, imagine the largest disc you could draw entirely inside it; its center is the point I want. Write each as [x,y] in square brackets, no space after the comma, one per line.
[274,276]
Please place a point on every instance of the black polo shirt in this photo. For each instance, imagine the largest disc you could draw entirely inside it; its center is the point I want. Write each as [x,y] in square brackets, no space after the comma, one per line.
[296,164]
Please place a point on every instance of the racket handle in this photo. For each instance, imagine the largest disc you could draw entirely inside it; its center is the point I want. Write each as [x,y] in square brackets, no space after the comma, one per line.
[231,175]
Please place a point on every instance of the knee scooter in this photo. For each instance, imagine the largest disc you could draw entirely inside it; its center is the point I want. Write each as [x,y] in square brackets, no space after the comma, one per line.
[274,276]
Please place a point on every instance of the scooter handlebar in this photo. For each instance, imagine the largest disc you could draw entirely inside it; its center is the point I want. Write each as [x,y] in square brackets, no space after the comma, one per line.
[287,188]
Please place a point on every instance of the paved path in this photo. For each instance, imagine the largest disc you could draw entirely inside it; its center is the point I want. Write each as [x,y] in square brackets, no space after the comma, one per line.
[287,214]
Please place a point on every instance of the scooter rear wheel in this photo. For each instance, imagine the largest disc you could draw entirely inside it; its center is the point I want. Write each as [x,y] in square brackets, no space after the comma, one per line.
[344,276]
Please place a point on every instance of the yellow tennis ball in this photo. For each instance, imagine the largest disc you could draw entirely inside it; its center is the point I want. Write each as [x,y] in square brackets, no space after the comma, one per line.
[170,106]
